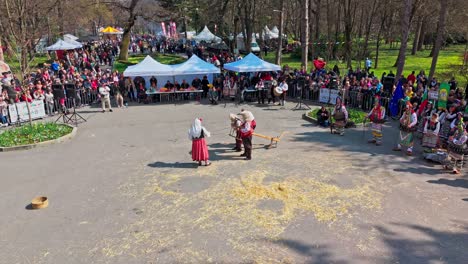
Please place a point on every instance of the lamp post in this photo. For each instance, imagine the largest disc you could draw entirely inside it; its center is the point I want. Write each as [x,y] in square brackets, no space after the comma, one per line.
[196,20]
[280,37]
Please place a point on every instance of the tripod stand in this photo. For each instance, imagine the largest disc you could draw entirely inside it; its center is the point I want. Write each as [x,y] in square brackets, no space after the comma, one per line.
[301,105]
[73,119]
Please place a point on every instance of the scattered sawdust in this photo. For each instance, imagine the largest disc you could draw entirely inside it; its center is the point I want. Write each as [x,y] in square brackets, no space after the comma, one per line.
[229,211]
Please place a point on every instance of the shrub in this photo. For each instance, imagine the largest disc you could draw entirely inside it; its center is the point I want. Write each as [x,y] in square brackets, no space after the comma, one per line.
[31,134]
[357,116]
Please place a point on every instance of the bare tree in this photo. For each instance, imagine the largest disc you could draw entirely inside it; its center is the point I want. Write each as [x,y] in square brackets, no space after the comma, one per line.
[280,37]
[405,27]
[440,35]
[305,33]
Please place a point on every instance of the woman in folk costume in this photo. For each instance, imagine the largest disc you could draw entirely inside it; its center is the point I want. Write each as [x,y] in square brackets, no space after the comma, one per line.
[425,116]
[457,148]
[340,114]
[431,132]
[197,134]
[246,131]
[408,122]
[376,116]
[449,117]
[235,126]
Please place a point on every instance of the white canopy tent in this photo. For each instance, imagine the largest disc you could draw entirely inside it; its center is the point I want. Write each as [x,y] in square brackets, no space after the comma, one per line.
[63,45]
[194,67]
[69,37]
[251,63]
[275,30]
[74,42]
[268,34]
[149,67]
[206,35]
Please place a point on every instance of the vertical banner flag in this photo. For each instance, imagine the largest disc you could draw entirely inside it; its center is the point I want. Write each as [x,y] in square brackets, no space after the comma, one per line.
[443,95]
[395,102]
[163,26]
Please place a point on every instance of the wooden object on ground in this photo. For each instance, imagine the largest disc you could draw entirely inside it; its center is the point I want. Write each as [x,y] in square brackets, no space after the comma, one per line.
[39,202]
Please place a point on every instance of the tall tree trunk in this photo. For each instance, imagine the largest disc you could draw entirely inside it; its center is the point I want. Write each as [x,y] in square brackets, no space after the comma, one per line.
[305,34]
[348,26]
[422,34]
[440,36]
[280,32]
[125,44]
[337,29]
[312,26]
[329,30]
[416,37]
[132,16]
[60,16]
[405,27]
[369,21]
[317,20]
[1,51]
[382,25]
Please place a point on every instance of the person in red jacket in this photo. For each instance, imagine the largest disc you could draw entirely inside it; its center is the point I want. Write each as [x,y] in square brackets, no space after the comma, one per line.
[411,78]
[246,131]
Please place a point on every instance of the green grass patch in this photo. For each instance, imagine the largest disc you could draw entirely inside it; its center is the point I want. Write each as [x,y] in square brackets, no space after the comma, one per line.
[36,63]
[449,63]
[357,116]
[31,134]
[135,59]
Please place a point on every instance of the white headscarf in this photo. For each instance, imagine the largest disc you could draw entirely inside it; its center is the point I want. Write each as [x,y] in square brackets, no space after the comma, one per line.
[196,129]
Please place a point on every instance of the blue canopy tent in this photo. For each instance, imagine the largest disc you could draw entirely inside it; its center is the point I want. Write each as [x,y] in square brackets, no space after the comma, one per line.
[251,63]
[194,67]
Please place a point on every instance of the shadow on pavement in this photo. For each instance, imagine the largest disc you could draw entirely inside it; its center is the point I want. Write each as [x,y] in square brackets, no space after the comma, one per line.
[460,183]
[425,245]
[421,170]
[179,165]
[466,199]
[313,253]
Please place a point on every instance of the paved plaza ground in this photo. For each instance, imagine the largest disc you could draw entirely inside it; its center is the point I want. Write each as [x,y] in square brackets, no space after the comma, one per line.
[125,190]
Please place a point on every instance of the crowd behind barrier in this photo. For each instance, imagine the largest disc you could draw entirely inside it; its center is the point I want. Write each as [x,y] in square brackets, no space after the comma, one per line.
[74,79]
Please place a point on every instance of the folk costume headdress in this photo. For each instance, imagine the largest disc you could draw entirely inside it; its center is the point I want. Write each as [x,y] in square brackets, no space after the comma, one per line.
[196,130]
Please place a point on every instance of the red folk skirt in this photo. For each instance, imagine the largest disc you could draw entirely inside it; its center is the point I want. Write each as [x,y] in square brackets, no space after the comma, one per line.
[199,150]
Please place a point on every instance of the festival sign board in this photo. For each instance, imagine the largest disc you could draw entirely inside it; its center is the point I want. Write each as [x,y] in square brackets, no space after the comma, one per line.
[433,95]
[328,96]
[443,95]
[21,110]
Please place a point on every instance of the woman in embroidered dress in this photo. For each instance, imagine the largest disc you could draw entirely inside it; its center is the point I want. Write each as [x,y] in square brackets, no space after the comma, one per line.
[197,134]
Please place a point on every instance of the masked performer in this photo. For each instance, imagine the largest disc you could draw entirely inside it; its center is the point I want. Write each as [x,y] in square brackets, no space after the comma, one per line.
[246,131]
[431,132]
[376,116]
[341,116]
[235,126]
[457,149]
[408,122]
[197,134]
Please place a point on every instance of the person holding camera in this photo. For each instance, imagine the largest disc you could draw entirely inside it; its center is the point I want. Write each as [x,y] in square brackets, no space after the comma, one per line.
[104,91]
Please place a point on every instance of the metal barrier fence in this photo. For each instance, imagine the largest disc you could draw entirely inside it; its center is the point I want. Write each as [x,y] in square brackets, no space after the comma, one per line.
[352,98]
